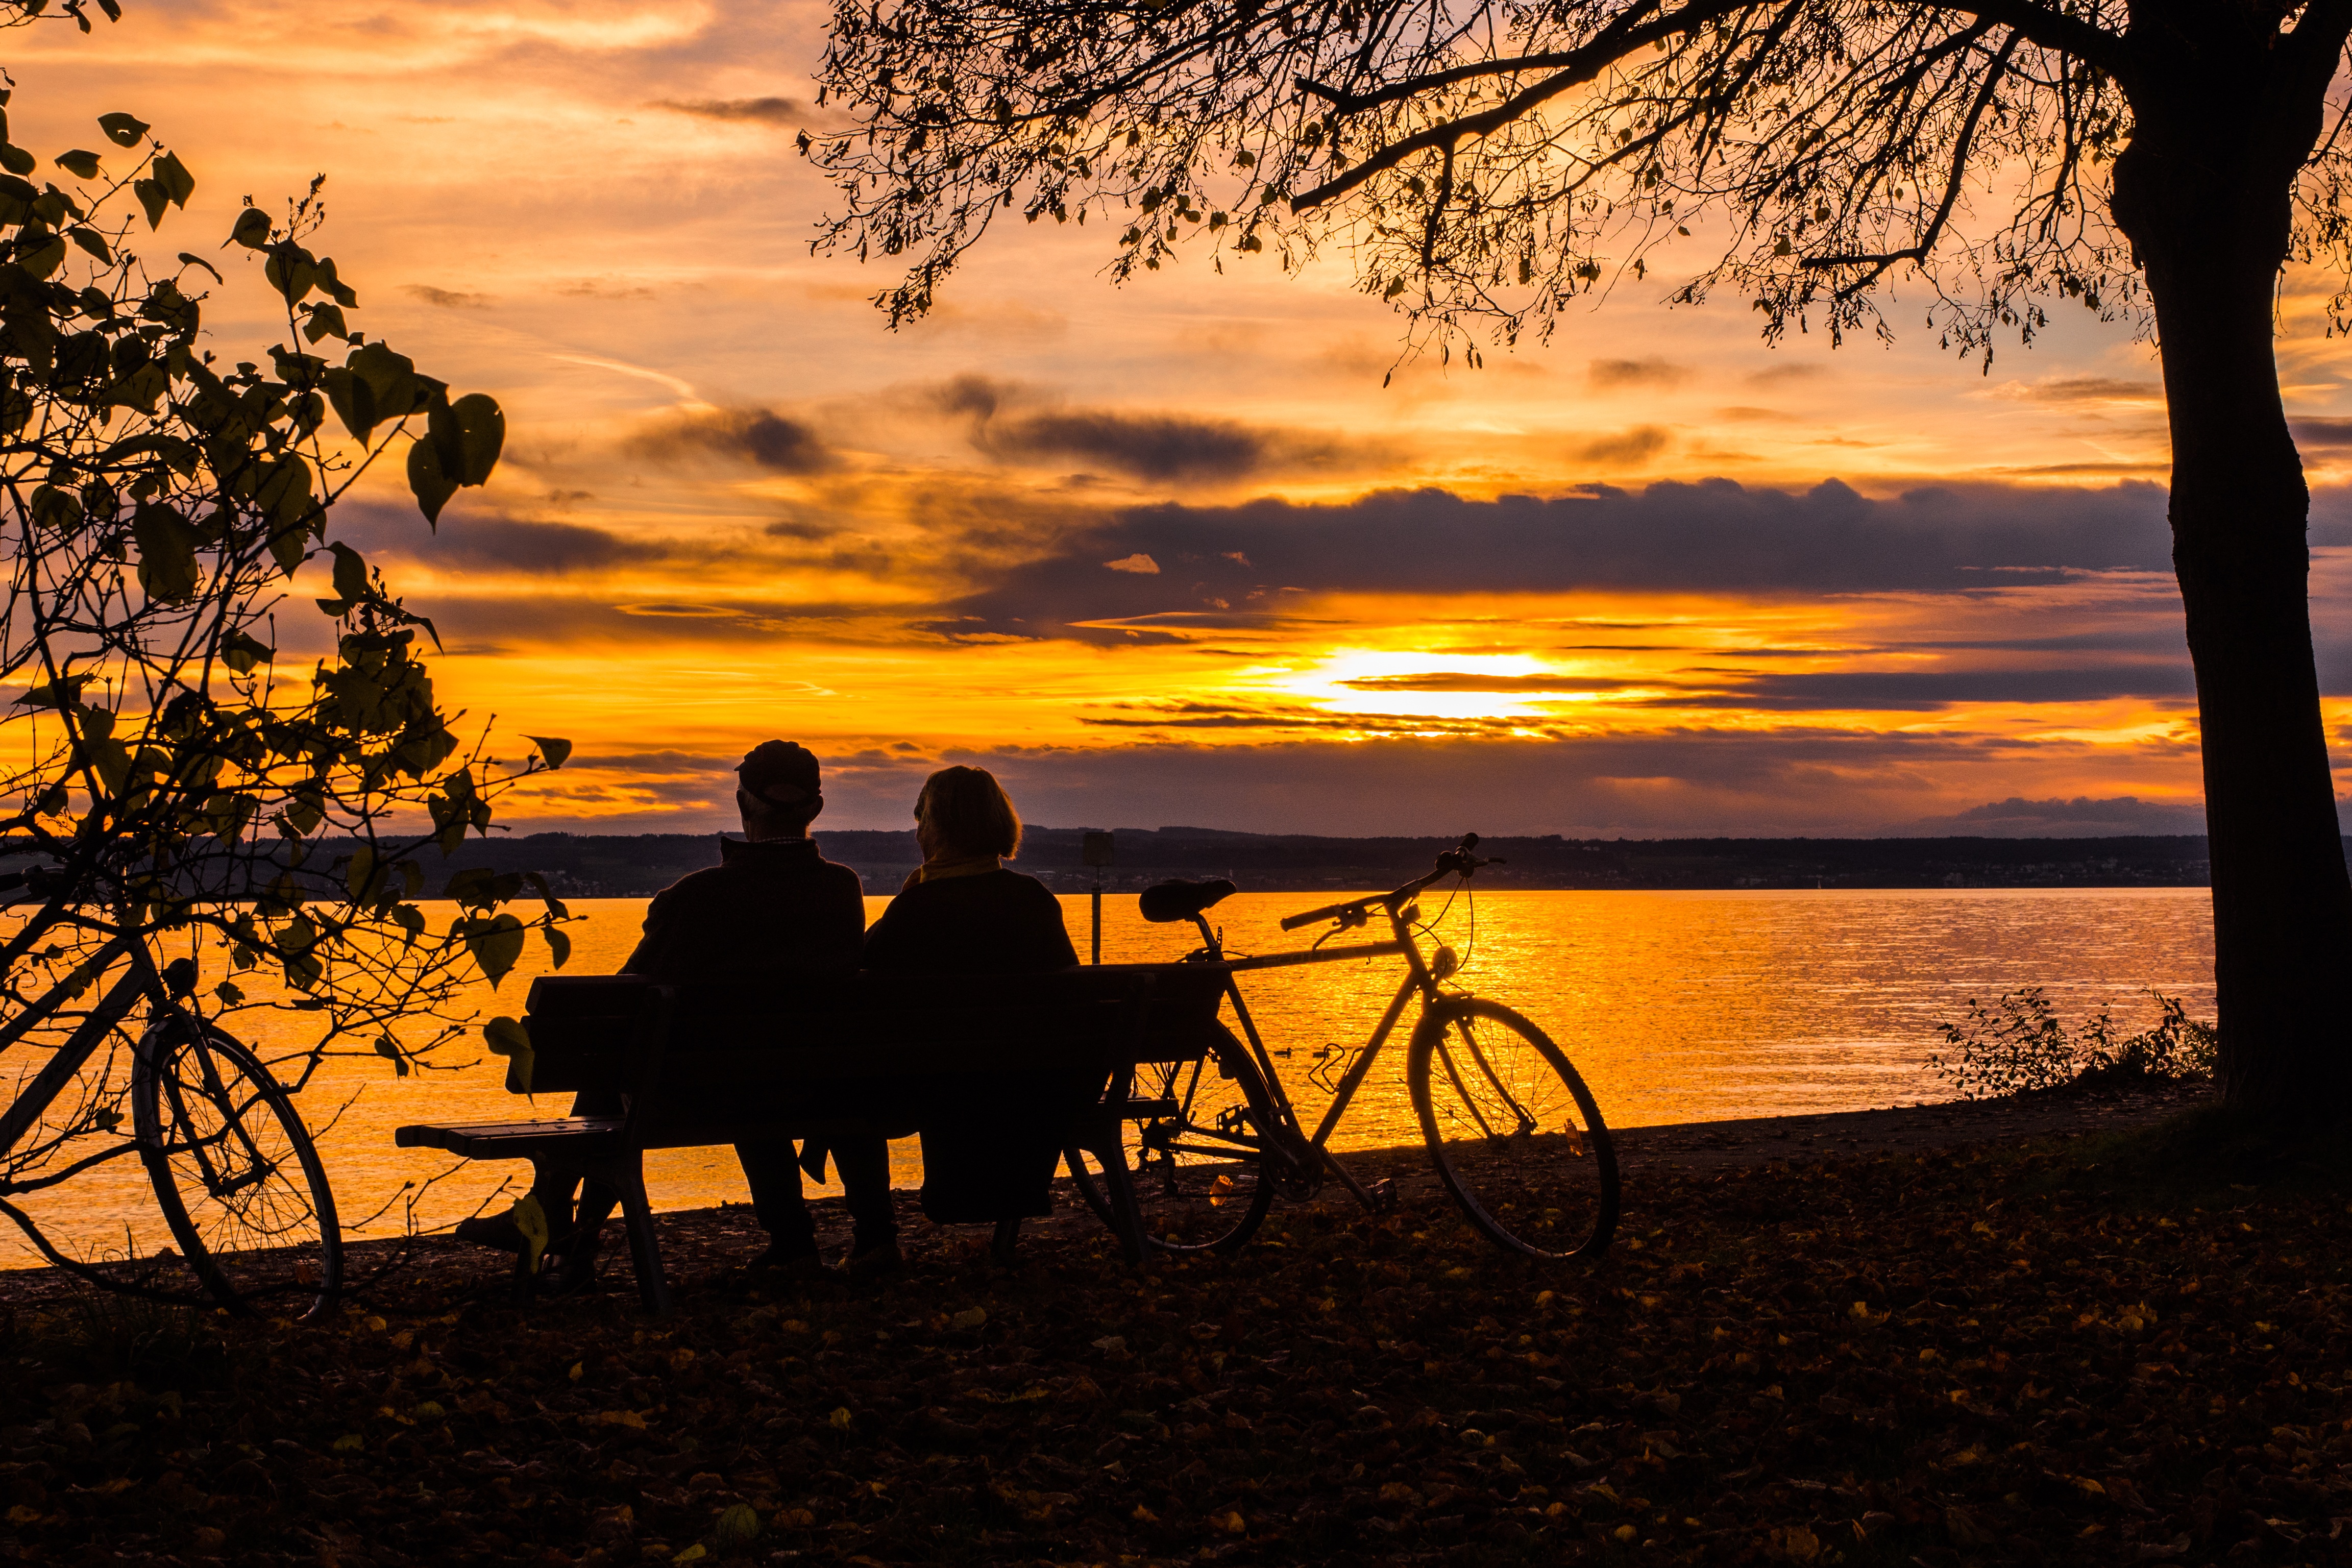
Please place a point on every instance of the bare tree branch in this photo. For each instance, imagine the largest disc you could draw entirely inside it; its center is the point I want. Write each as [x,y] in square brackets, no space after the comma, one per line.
[1879,264]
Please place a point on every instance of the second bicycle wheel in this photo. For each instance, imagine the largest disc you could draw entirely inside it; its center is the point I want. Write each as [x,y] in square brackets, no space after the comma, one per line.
[1513,1130]
[1197,1166]
[235,1172]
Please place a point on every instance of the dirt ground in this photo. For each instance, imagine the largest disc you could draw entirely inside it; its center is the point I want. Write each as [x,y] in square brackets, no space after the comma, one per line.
[701,1245]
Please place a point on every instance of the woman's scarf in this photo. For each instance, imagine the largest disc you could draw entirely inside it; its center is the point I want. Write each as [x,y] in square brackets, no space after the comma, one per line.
[947,864]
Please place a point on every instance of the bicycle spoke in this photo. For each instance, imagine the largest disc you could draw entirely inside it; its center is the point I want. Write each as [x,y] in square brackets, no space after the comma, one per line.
[1467,1100]
[1526,1124]
[1513,1132]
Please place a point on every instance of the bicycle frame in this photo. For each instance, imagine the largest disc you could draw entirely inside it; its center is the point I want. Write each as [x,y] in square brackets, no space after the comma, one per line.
[25,1111]
[1419,980]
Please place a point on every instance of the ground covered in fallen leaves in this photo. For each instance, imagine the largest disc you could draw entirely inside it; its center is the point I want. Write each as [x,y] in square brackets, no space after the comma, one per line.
[1961,1357]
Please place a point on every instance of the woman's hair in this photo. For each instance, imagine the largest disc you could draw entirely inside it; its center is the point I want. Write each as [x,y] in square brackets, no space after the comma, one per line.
[972,811]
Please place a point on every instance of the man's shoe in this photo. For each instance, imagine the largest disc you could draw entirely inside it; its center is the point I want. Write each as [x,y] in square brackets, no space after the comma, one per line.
[807,1265]
[498,1231]
[875,1262]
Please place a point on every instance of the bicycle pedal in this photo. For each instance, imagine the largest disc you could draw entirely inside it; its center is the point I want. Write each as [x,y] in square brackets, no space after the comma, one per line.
[1383,1193]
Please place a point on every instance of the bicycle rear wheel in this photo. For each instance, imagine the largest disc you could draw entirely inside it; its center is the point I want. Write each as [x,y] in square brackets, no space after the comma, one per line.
[235,1172]
[1199,1167]
[1513,1130]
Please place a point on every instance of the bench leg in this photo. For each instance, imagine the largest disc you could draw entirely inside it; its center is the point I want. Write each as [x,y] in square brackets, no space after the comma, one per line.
[644,1250]
[1127,1214]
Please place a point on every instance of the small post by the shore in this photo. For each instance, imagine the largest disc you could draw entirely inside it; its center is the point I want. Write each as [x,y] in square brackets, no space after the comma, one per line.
[1095,850]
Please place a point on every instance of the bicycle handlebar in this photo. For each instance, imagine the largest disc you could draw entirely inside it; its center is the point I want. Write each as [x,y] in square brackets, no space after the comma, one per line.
[1460,858]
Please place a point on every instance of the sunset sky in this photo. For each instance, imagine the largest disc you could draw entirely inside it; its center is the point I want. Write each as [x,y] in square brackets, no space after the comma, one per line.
[1172,554]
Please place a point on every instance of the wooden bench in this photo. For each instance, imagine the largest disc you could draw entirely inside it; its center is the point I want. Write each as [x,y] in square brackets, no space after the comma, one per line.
[867,1052]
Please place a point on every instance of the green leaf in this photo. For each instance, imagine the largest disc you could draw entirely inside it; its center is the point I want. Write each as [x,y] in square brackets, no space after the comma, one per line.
[151,201]
[242,652]
[289,544]
[431,487]
[284,490]
[554,905]
[471,888]
[188,260]
[80,163]
[389,1049]
[481,434]
[559,943]
[252,230]
[58,694]
[167,553]
[18,160]
[361,873]
[177,182]
[230,996]
[391,377]
[45,258]
[55,508]
[122,129]
[334,287]
[350,572]
[495,943]
[553,750]
[325,320]
[141,388]
[89,239]
[355,402]
[291,270]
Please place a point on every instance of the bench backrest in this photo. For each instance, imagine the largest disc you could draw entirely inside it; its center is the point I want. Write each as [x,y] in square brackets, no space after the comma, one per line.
[603,1033]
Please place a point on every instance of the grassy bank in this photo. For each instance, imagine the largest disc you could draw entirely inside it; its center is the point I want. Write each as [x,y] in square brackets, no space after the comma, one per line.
[1991,1355]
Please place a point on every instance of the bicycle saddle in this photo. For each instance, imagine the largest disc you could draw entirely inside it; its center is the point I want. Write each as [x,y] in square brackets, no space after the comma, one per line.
[1180,900]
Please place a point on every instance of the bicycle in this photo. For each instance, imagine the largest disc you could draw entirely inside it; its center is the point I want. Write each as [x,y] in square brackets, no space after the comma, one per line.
[236,1175]
[1511,1128]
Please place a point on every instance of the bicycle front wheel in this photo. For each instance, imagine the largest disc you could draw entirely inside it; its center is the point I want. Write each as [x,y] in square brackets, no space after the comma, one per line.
[1513,1130]
[1198,1164]
[235,1172]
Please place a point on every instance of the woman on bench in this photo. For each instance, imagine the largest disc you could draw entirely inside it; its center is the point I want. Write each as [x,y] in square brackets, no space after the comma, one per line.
[962,912]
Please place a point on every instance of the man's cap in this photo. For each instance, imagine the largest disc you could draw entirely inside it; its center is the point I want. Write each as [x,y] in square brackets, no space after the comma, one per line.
[779,773]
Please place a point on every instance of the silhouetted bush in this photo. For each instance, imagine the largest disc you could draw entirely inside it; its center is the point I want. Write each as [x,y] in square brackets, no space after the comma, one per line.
[2018,1044]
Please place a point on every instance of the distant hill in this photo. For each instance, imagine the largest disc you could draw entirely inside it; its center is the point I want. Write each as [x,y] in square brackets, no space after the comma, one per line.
[592,865]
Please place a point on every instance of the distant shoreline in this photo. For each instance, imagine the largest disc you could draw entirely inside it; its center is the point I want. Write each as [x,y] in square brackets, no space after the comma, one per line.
[637,866]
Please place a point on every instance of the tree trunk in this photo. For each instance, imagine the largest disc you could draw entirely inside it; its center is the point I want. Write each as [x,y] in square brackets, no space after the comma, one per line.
[2211,225]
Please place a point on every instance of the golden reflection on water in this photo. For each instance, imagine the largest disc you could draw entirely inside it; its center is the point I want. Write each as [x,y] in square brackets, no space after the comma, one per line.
[1676,1007]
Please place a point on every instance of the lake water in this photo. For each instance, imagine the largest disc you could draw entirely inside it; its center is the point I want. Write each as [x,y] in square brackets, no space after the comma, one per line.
[1676,1007]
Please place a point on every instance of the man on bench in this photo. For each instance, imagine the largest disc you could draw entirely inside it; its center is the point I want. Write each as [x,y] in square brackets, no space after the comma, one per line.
[772,908]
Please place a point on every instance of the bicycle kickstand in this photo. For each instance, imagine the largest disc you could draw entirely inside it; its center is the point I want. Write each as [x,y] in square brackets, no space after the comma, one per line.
[1380,1197]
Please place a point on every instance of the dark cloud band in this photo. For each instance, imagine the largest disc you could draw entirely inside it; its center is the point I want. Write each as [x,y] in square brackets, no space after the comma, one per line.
[1713,536]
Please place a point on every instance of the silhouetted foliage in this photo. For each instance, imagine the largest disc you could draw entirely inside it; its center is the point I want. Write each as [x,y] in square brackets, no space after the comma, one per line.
[2018,1044]
[162,758]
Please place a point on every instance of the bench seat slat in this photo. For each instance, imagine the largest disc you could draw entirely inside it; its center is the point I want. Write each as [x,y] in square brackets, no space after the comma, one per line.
[491,1140]
[521,1140]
